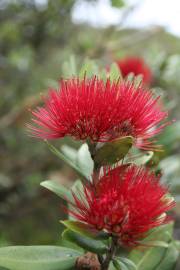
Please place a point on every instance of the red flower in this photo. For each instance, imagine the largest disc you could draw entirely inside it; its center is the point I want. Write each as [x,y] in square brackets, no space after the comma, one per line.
[101,112]
[137,66]
[126,203]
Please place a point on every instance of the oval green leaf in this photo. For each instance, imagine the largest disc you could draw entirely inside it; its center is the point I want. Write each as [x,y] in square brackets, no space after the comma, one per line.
[84,229]
[89,244]
[69,152]
[143,159]
[151,257]
[130,264]
[119,265]
[84,160]
[58,189]
[114,151]
[38,257]
[170,258]
[65,159]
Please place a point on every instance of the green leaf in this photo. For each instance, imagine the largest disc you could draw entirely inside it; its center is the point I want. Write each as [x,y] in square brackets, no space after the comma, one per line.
[38,257]
[117,3]
[150,258]
[112,267]
[84,229]
[130,264]
[115,73]
[114,151]
[81,158]
[89,69]
[65,159]
[156,243]
[84,160]
[69,152]
[170,258]
[89,244]
[144,158]
[119,265]
[58,189]
[160,233]
[78,227]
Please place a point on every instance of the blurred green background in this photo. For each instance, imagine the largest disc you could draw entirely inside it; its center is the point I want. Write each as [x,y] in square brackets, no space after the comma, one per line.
[38,45]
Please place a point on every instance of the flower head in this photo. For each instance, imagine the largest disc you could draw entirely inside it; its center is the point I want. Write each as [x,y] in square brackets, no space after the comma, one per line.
[126,202]
[137,66]
[101,112]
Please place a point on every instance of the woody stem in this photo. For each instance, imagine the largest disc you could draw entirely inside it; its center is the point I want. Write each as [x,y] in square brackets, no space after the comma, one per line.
[110,254]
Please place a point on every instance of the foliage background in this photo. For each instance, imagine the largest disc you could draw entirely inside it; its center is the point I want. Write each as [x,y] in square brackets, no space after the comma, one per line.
[35,44]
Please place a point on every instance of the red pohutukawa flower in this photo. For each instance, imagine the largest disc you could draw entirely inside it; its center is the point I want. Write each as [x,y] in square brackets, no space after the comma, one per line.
[137,66]
[126,203]
[101,112]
